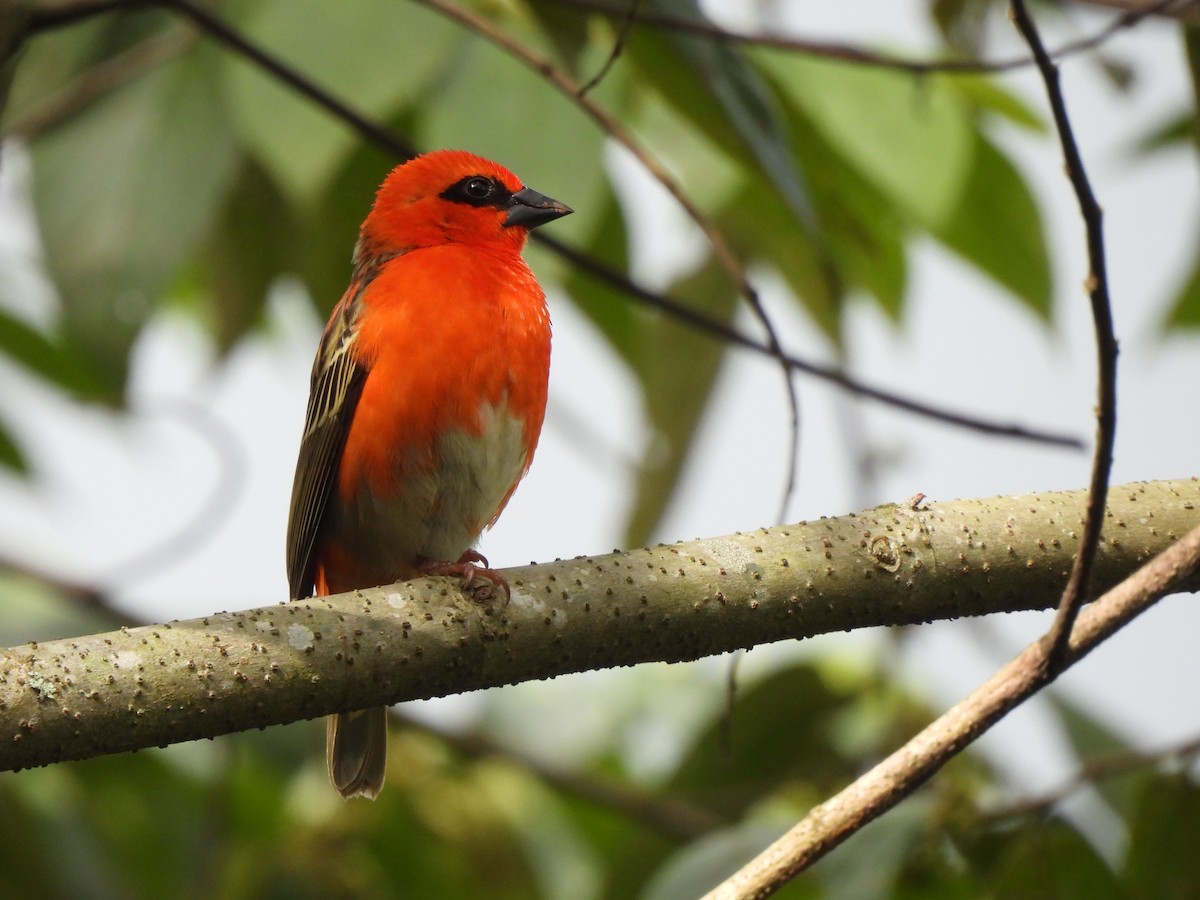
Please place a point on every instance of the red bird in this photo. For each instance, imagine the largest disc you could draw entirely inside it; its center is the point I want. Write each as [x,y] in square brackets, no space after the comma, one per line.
[427,398]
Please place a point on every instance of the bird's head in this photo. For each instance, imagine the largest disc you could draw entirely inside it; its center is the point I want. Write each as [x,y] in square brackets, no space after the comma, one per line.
[451,196]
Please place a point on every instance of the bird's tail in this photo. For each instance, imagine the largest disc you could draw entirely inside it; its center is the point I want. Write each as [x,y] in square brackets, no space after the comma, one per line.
[356,750]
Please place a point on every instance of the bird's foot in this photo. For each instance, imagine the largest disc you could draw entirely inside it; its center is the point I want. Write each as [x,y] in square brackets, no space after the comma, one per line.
[481,582]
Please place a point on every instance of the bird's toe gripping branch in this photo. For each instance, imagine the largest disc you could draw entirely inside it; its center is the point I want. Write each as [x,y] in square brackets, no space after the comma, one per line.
[478,580]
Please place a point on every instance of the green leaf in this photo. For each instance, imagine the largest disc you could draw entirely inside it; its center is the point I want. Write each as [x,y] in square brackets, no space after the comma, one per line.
[747,102]
[375,58]
[1162,861]
[703,864]
[124,192]
[1091,739]
[55,64]
[28,347]
[962,23]
[253,242]
[860,228]
[1185,309]
[567,30]
[11,457]
[12,26]
[761,229]
[985,94]
[997,227]
[735,765]
[617,316]
[1048,861]
[911,138]
[1181,128]
[675,395]
[719,93]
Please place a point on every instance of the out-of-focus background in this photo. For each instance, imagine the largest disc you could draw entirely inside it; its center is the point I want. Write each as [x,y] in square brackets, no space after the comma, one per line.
[175,224]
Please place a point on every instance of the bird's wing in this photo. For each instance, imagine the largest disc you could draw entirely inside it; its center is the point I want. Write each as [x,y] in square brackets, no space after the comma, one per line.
[336,384]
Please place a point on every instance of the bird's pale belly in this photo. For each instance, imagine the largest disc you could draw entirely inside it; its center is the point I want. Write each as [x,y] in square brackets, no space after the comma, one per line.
[441,511]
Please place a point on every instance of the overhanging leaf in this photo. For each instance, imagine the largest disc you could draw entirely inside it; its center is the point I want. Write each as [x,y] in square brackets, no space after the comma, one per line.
[617,317]
[124,192]
[252,243]
[376,58]
[675,395]
[1162,861]
[748,104]
[1048,861]
[1185,309]
[997,227]
[11,457]
[723,97]
[911,138]
[30,348]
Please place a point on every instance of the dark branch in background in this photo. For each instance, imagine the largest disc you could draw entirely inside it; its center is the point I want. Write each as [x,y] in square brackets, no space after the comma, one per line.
[848,53]
[1106,345]
[832,822]
[673,816]
[720,331]
[1098,768]
[89,596]
[616,131]
[594,267]
[105,76]
[623,31]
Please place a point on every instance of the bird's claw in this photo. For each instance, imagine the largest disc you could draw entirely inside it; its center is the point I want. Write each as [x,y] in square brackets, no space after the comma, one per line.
[478,580]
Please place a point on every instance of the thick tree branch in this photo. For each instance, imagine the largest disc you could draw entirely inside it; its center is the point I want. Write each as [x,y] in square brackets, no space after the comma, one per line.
[155,685]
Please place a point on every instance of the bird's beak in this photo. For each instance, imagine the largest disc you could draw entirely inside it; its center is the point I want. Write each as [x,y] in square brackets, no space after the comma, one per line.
[530,209]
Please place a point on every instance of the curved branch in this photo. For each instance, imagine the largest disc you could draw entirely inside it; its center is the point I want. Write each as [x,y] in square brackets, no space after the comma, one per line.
[159,684]
[1106,343]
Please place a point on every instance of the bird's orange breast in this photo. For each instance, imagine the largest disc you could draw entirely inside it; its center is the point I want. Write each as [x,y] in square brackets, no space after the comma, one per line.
[447,334]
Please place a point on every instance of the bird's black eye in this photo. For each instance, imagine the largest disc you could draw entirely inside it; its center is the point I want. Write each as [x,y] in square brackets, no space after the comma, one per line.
[478,190]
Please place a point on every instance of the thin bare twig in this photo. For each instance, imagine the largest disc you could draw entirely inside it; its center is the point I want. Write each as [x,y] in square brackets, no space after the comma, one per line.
[832,822]
[1106,344]
[848,53]
[623,31]
[831,374]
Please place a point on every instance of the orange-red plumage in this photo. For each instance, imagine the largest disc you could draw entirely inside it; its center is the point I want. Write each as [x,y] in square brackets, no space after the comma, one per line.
[426,402]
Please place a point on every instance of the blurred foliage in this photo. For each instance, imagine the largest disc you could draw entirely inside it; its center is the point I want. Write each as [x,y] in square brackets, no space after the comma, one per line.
[463,815]
[168,170]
